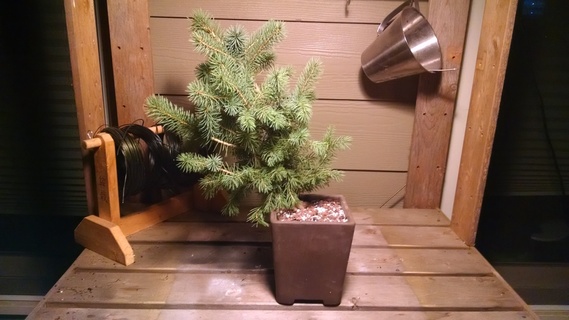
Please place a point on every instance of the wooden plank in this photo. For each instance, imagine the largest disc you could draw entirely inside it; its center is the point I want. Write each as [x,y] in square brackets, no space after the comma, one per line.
[362,216]
[132,57]
[165,314]
[316,10]
[84,55]
[365,235]
[232,290]
[493,50]
[380,130]
[195,258]
[399,216]
[108,203]
[338,46]
[435,107]
[202,232]
[410,261]
[406,236]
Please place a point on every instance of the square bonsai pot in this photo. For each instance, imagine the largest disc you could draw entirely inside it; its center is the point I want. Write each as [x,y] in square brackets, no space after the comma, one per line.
[310,258]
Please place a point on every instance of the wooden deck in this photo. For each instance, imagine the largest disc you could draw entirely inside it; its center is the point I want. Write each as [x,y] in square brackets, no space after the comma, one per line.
[404,264]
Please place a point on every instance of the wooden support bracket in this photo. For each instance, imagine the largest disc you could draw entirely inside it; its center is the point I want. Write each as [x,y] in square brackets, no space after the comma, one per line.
[104,238]
[106,233]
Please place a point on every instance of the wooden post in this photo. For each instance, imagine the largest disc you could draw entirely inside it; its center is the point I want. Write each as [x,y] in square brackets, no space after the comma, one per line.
[107,181]
[129,28]
[493,51]
[435,107]
[85,67]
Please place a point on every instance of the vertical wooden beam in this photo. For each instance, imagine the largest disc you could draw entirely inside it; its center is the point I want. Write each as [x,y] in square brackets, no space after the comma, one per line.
[435,107]
[129,28]
[85,67]
[107,181]
[493,51]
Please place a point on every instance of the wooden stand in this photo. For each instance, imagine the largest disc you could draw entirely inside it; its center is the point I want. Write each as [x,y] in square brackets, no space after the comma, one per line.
[106,233]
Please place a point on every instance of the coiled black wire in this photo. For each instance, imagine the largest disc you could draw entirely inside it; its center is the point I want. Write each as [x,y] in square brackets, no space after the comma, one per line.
[146,162]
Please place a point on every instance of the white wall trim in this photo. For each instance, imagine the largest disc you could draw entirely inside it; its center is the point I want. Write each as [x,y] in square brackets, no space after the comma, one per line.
[462,104]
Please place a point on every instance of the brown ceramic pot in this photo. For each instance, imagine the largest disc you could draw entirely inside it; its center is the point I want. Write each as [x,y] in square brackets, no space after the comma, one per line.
[310,258]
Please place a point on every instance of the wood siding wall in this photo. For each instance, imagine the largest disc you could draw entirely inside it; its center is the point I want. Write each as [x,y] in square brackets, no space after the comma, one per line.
[379,117]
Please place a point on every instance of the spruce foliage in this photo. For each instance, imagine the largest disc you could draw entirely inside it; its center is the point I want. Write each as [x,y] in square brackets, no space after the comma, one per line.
[256,134]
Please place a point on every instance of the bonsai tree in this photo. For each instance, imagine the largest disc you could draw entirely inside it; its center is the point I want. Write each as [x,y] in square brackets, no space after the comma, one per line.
[255,135]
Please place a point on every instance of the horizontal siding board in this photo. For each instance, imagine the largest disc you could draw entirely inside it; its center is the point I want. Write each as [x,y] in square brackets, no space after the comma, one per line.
[315,10]
[174,58]
[372,189]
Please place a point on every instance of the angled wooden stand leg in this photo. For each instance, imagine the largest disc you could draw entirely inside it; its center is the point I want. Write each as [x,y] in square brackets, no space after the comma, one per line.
[104,238]
[106,233]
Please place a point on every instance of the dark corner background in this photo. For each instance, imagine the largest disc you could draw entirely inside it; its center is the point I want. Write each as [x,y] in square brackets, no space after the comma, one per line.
[42,197]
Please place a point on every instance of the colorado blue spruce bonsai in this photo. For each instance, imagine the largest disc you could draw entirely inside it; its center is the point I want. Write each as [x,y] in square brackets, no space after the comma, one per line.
[255,133]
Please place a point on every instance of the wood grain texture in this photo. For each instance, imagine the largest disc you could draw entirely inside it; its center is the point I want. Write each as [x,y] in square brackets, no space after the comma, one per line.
[399,217]
[435,107]
[155,213]
[362,216]
[107,184]
[105,238]
[493,50]
[132,57]
[161,314]
[338,46]
[247,258]
[370,12]
[84,56]
[224,290]
[366,235]
[208,279]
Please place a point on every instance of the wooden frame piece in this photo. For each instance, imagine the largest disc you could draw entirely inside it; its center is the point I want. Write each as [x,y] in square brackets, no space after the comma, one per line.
[435,103]
[106,233]
[87,86]
[434,108]
[493,51]
[133,74]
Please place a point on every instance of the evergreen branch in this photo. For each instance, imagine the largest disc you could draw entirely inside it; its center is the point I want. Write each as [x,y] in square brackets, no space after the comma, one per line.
[308,78]
[193,162]
[226,72]
[203,21]
[172,117]
[261,41]
[264,126]
[235,40]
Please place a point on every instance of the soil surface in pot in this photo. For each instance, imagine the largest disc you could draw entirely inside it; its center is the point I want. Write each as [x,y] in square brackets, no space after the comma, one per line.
[318,211]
